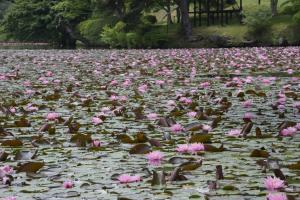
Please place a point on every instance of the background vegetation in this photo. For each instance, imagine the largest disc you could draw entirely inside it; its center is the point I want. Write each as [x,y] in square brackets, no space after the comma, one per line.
[144,24]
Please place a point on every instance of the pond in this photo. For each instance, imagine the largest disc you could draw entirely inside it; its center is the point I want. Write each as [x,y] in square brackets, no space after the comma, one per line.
[219,121]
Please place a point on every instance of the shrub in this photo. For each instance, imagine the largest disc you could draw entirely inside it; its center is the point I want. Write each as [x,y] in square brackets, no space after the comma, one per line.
[117,37]
[90,29]
[259,24]
[155,39]
[149,19]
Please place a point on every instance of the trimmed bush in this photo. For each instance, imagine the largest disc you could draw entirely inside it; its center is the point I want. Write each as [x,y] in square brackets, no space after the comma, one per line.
[259,24]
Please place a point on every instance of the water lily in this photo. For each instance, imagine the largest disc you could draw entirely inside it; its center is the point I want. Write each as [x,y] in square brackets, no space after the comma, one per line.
[176,128]
[126,178]
[52,116]
[277,196]
[273,183]
[155,157]
[68,184]
[234,133]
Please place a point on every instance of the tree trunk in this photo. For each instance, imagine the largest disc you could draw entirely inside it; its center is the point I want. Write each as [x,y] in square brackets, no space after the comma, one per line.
[169,12]
[67,42]
[178,14]
[75,36]
[274,5]
[185,18]
[120,9]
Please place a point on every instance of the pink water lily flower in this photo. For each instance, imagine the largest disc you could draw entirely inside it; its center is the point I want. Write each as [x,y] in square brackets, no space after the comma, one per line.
[52,116]
[273,183]
[155,157]
[249,115]
[192,114]
[176,128]
[114,83]
[96,143]
[182,148]
[297,126]
[49,73]
[29,92]
[126,178]
[12,109]
[159,82]
[290,71]
[277,196]
[68,184]
[143,88]
[186,100]
[195,147]
[10,198]
[96,121]
[6,170]
[234,133]
[114,97]
[152,116]
[247,104]
[205,85]
[127,83]
[290,131]
[206,128]
[6,180]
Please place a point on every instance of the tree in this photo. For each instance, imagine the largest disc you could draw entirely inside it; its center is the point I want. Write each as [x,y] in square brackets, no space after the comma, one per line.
[293,7]
[185,18]
[30,20]
[4,4]
[274,7]
[47,20]
[67,15]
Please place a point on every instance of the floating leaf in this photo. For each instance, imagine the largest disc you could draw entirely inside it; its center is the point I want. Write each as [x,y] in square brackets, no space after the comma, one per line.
[193,126]
[279,174]
[140,149]
[155,143]
[81,139]
[158,178]
[25,155]
[216,122]
[22,123]
[3,155]
[259,153]
[201,138]
[12,143]
[74,127]
[191,165]
[229,187]
[261,94]
[141,138]
[295,166]
[139,113]
[40,140]
[32,167]
[211,148]
[125,139]
[166,122]
[52,97]
[179,160]
[176,175]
